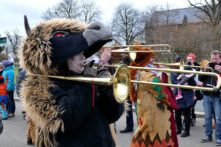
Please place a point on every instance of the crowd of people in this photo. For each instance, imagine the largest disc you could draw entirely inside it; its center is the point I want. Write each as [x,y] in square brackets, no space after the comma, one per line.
[74,113]
[7,102]
[7,107]
[186,99]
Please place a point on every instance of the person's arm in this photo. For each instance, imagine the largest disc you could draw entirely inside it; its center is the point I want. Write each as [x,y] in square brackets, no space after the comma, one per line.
[186,78]
[74,104]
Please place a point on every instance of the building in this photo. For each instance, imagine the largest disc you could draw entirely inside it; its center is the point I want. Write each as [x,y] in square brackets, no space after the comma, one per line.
[184,29]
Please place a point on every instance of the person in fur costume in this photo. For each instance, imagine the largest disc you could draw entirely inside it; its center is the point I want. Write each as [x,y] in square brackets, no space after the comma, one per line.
[66,113]
[156,125]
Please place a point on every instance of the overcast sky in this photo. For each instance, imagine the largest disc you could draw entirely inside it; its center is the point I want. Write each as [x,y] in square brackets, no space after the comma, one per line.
[12,11]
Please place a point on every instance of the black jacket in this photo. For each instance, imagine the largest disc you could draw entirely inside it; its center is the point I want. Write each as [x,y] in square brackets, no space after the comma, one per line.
[211,80]
[84,125]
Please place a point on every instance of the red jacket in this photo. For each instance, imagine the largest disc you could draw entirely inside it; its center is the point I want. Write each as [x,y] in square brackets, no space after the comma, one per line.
[3,89]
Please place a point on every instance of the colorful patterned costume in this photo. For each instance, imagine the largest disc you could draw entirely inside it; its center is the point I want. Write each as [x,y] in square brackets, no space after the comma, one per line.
[156,126]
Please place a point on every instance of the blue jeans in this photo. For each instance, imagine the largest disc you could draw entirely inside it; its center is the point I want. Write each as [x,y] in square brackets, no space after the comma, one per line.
[212,104]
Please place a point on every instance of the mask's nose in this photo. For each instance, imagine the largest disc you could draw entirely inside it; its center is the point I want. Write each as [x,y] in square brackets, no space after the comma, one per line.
[96,36]
[96,32]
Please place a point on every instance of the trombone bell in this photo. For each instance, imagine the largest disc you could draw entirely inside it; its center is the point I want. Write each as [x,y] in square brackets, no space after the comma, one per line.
[121,82]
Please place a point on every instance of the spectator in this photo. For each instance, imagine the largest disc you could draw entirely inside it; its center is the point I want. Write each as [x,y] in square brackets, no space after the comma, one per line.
[8,74]
[3,99]
[191,60]
[184,101]
[212,101]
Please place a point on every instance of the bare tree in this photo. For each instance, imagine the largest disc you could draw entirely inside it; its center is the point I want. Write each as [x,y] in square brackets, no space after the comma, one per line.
[211,8]
[64,9]
[126,23]
[14,40]
[212,11]
[51,13]
[89,11]
[84,10]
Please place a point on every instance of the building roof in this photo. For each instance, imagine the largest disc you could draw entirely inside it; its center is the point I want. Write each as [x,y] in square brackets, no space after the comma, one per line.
[176,16]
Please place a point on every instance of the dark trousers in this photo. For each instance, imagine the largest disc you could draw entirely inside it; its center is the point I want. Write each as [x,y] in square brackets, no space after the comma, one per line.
[187,119]
[11,102]
[129,116]
[193,110]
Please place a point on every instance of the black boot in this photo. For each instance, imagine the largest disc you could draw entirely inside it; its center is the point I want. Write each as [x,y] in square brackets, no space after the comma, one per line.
[178,132]
[185,134]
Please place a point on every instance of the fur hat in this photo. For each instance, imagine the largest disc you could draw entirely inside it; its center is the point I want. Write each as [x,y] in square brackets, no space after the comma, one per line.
[142,59]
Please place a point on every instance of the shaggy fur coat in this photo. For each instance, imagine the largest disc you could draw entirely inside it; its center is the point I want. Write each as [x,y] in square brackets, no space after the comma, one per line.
[62,111]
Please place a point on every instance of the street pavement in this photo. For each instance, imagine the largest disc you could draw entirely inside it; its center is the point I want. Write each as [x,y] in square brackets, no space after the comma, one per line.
[14,134]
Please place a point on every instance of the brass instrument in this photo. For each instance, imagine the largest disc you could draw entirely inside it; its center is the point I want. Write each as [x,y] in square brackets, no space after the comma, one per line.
[120,82]
[212,88]
[181,65]
[132,53]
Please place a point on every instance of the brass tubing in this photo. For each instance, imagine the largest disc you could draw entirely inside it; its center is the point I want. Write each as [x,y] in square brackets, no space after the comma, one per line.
[177,71]
[120,82]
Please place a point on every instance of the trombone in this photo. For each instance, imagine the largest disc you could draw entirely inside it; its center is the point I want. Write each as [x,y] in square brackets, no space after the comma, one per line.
[157,48]
[181,65]
[210,88]
[120,82]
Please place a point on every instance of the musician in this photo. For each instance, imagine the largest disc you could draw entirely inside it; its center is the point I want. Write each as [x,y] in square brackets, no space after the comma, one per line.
[211,100]
[66,113]
[156,126]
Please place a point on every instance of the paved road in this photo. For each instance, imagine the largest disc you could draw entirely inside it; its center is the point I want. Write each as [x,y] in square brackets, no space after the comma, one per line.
[15,131]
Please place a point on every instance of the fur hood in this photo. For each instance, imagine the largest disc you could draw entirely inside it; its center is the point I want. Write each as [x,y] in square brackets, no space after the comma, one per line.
[35,53]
